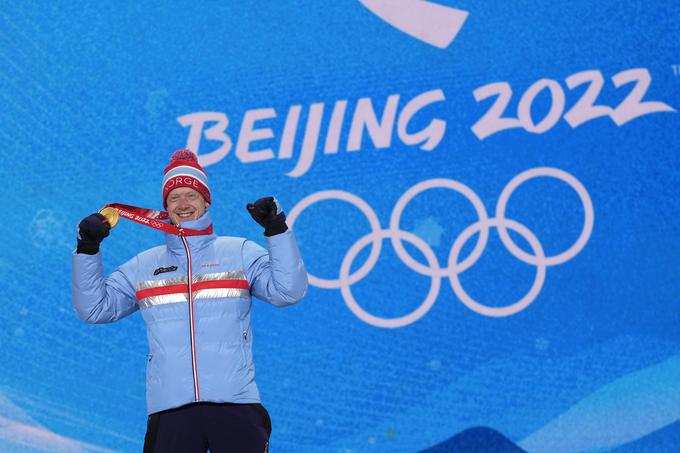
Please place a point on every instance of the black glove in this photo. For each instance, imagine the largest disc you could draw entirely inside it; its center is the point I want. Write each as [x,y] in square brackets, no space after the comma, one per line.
[91,232]
[267,212]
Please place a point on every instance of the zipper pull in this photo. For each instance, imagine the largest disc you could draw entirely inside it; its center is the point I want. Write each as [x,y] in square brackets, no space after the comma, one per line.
[245,335]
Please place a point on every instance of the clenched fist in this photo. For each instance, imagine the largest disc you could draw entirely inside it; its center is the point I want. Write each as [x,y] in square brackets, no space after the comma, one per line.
[91,232]
[268,213]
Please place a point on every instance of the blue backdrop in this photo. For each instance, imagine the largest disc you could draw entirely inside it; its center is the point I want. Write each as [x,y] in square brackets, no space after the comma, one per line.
[484,193]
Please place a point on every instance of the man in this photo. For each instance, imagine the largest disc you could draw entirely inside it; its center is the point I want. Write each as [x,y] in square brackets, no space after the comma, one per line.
[194,294]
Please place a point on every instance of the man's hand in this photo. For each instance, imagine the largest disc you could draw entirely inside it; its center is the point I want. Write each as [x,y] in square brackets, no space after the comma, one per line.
[91,232]
[267,212]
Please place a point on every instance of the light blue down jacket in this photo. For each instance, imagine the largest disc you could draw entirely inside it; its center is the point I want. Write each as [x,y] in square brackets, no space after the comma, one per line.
[200,351]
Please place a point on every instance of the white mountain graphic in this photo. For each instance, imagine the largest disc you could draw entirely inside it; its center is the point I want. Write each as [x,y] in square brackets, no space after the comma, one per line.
[629,402]
[19,433]
[624,410]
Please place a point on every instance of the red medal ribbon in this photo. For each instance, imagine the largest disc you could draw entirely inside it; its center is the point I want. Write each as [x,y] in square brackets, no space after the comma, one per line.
[154,219]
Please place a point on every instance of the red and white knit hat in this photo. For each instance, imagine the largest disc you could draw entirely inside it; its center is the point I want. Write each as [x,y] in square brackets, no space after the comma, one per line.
[184,171]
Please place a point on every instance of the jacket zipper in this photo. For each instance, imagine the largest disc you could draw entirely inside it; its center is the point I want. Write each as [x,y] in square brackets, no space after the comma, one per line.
[244,335]
[197,395]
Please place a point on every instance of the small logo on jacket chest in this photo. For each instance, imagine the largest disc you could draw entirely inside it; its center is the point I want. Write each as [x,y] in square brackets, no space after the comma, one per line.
[162,270]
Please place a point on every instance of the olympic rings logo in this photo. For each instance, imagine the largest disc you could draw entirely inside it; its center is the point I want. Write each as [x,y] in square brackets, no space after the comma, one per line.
[455,265]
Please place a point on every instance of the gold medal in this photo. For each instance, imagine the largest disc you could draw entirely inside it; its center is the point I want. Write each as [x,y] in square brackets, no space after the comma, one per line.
[111,215]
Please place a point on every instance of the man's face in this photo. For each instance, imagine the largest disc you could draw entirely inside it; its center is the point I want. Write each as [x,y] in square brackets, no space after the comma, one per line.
[185,204]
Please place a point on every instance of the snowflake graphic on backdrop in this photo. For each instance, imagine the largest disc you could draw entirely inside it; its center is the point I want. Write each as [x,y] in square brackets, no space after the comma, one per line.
[48,229]
[429,230]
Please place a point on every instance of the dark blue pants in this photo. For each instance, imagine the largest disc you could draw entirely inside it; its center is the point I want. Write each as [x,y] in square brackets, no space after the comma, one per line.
[218,427]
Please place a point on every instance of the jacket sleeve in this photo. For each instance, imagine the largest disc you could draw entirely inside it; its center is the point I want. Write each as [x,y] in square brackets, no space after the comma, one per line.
[97,299]
[277,276]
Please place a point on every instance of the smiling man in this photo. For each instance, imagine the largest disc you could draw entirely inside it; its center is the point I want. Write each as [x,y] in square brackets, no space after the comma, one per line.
[185,204]
[194,294]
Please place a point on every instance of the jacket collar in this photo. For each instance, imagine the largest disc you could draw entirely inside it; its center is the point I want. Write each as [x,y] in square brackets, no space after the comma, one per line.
[174,242]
